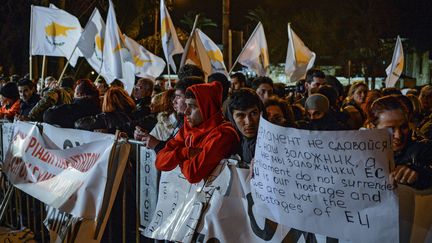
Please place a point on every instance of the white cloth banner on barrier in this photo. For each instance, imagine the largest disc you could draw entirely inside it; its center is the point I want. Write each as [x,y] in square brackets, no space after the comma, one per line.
[229,216]
[65,138]
[232,216]
[72,180]
[180,204]
[173,194]
[334,183]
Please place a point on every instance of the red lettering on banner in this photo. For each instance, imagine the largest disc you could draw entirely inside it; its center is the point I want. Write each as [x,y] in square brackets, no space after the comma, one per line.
[36,170]
[32,143]
[84,162]
[40,152]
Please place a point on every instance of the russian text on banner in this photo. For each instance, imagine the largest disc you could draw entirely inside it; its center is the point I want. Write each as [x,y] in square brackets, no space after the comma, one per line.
[334,183]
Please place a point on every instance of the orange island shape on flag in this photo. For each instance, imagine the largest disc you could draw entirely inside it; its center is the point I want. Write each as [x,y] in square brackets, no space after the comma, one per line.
[55,29]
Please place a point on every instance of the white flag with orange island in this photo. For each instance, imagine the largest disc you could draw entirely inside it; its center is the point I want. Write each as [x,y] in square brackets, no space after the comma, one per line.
[54,32]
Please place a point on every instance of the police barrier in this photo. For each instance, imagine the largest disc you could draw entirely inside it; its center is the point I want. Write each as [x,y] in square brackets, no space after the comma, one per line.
[86,204]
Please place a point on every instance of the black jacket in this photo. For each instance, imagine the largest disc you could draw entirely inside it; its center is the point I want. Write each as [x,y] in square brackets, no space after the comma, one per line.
[109,121]
[418,156]
[27,106]
[65,115]
[327,123]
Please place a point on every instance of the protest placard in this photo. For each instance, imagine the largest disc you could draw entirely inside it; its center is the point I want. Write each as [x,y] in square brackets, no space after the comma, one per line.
[333,183]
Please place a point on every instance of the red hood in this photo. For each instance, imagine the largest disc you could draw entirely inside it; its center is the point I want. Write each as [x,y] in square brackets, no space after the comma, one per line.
[209,99]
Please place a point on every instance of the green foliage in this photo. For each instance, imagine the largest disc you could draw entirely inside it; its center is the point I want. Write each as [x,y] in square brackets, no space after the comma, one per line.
[203,22]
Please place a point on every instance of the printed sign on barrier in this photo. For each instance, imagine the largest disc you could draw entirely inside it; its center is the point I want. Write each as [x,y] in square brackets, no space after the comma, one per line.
[148,185]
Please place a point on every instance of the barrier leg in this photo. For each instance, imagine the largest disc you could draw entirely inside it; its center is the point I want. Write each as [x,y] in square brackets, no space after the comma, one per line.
[28,211]
[42,208]
[5,202]
[124,213]
[34,215]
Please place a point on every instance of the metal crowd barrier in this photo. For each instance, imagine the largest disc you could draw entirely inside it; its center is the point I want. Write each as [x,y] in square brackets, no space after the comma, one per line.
[19,210]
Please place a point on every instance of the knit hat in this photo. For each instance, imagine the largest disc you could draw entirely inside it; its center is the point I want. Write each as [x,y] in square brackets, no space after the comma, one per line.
[10,90]
[317,102]
[329,92]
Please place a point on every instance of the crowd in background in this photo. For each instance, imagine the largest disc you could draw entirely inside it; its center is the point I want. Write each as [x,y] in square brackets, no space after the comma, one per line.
[164,116]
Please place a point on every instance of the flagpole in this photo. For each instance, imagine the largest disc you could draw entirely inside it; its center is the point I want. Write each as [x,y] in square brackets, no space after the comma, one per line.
[30,56]
[97,77]
[235,63]
[43,67]
[188,43]
[169,76]
[67,63]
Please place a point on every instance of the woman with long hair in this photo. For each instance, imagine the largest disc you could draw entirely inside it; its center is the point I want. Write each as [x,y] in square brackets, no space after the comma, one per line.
[355,99]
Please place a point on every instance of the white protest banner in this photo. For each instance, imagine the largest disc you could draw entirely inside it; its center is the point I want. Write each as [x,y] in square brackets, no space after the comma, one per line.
[68,138]
[180,204]
[172,198]
[63,227]
[148,185]
[72,180]
[230,216]
[333,183]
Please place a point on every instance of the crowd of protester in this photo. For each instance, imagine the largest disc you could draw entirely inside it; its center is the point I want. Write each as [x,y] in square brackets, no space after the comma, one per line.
[196,121]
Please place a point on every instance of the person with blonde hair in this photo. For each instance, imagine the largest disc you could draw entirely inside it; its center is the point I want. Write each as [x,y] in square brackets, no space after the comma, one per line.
[352,106]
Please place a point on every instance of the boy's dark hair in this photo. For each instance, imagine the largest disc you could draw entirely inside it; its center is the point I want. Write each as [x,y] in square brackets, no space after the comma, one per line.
[146,82]
[190,70]
[279,89]
[117,83]
[314,73]
[261,80]
[222,79]
[67,82]
[239,76]
[185,83]
[391,91]
[336,84]
[300,86]
[25,82]
[244,99]
[10,90]
[330,92]
[189,94]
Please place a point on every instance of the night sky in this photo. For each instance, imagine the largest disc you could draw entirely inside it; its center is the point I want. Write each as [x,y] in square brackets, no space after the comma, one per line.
[410,18]
[337,30]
